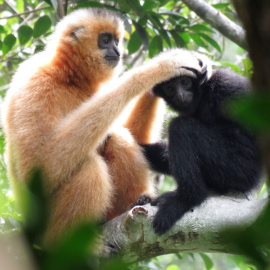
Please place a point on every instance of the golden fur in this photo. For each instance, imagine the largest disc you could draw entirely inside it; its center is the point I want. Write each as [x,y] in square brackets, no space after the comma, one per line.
[54,120]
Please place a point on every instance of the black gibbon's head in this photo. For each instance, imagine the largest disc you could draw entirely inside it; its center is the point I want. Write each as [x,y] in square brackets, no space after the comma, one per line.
[92,39]
[183,93]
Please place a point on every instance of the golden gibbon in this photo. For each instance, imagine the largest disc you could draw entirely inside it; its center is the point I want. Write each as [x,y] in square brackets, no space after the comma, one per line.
[55,119]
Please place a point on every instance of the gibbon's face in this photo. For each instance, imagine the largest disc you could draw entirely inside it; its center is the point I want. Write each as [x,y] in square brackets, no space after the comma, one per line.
[178,93]
[109,43]
[92,39]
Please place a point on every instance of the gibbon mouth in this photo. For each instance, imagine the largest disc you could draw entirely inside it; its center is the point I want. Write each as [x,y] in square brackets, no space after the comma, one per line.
[112,60]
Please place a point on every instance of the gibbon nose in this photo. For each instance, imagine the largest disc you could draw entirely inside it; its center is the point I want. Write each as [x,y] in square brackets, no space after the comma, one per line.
[116,50]
[180,95]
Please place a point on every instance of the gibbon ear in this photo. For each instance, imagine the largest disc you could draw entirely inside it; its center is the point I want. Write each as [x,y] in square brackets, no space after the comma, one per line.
[75,34]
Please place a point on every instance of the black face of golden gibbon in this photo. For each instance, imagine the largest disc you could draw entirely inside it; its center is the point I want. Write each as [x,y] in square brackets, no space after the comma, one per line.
[109,43]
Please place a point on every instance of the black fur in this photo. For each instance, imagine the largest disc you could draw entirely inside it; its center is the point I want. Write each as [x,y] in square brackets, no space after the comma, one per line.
[206,151]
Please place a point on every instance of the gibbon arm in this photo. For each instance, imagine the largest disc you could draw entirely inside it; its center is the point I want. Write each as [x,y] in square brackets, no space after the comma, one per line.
[78,135]
[142,118]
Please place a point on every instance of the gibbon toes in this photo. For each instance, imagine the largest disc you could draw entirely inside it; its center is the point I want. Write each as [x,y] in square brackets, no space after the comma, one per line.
[162,222]
[142,200]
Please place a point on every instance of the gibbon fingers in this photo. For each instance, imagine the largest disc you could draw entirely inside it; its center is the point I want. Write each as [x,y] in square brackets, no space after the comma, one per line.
[54,120]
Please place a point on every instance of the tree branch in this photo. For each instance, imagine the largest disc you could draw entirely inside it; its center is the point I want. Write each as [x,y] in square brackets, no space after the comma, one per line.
[219,21]
[26,12]
[198,231]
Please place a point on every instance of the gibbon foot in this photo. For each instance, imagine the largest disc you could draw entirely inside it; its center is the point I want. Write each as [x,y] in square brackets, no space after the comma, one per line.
[170,210]
[142,200]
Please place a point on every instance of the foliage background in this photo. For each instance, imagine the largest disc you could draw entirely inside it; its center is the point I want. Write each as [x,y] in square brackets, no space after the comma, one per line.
[152,26]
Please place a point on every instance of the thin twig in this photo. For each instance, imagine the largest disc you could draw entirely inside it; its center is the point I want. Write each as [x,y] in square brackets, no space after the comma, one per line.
[26,12]
[30,16]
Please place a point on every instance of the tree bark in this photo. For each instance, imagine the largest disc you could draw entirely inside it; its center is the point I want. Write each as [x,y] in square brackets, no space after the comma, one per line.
[219,21]
[256,19]
[200,230]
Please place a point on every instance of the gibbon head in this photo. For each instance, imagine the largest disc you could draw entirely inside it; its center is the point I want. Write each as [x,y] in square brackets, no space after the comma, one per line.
[90,39]
[183,93]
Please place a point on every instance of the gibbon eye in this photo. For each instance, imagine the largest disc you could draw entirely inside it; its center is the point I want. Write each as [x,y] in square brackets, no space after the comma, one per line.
[169,90]
[106,40]
[186,83]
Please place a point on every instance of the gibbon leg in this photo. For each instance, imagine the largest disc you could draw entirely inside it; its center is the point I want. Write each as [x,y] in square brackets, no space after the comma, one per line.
[184,132]
[128,170]
[85,197]
[127,165]
[144,123]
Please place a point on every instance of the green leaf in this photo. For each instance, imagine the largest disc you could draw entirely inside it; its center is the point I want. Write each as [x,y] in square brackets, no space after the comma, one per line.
[179,41]
[20,6]
[25,33]
[142,34]
[248,65]
[1,44]
[72,252]
[201,28]
[165,35]
[163,2]
[123,6]
[136,6]
[49,2]
[42,25]
[172,267]
[221,5]
[211,42]
[170,5]
[185,36]
[89,4]
[2,29]
[207,261]
[234,67]
[197,39]
[253,111]
[134,43]
[155,46]
[154,18]
[8,43]
[39,48]
[149,5]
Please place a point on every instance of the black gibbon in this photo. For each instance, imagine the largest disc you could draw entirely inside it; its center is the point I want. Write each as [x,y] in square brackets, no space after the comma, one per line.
[206,151]
[56,119]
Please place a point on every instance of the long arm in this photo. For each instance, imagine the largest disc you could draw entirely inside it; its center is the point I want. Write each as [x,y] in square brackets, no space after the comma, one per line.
[157,156]
[146,118]
[80,132]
